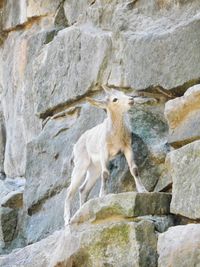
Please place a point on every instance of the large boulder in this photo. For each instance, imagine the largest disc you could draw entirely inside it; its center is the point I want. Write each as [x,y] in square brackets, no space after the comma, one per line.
[124,205]
[114,244]
[8,225]
[18,97]
[42,8]
[143,34]
[103,232]
[183,114]
[11,201]
[17,13]
[11,192]
[77,59]
[179,246]
[184,164]
[14,14]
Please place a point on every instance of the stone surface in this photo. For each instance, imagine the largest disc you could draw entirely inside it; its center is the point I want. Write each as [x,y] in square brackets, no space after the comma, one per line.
[143,34]
[18,98]
[8,224]
[11,192]
[111,239]
[124,205]
[149,142]
[18,13]
[14,13]
[41,8]
[77,57]
[179,246]
[164,183]
[183,116]
[2,144]
[48,214]
[54,54]
[11,201]
[113,244]
[161,223]
[184,163]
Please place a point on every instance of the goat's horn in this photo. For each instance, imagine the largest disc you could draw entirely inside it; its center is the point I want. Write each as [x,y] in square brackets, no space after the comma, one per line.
[106,89]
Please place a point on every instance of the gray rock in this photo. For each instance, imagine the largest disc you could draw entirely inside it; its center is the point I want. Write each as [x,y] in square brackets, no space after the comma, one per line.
[44,218]
[42,8]
[77,59]
[164,183]
[149,48]
[11,201]
[161,223]
[60,18]
[183,116]
[11,192]
[112,244]
[8,224]
[149,142]
[2,144]
[124,205]
[17,13]
[14,14]
[184,164]
[143,34]
[179,246]
[18,98]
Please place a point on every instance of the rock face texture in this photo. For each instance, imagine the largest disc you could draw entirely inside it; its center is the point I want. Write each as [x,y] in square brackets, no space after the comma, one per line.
[117,237]
[185,164]
[183,115]
[53,54]
[184,250]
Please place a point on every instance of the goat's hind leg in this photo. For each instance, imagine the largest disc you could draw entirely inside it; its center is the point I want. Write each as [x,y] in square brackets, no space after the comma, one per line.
[92,176]
[78,174]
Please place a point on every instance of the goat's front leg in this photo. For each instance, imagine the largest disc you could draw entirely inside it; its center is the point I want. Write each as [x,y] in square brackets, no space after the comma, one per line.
[134,169]
[104,171]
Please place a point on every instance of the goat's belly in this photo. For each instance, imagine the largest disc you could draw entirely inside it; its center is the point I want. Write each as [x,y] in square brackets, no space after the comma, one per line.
[95,158]
[114,153]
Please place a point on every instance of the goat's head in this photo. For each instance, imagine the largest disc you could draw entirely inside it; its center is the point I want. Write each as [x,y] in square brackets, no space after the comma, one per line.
[114,101]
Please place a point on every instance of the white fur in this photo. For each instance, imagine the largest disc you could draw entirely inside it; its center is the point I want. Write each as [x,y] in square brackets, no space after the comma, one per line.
[94,149]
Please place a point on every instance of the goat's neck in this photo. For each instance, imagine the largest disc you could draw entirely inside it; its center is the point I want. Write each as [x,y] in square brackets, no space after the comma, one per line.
[116,122]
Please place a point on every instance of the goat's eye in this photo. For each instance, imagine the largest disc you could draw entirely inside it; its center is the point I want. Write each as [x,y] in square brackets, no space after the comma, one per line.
[115,99]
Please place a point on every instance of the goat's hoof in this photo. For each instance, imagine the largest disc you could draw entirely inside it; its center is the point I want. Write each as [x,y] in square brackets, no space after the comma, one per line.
[101,195]
[142,189]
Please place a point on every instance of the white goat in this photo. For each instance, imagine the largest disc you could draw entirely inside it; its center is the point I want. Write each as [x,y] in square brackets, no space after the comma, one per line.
[94,149]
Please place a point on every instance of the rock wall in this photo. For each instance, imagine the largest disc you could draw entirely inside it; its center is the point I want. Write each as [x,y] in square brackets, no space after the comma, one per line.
[53,55]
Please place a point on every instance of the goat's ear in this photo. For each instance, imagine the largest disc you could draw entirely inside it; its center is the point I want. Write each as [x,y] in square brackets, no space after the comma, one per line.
[97,103]
[106,89]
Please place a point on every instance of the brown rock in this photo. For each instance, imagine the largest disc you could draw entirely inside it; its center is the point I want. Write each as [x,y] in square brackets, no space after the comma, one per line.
[183,116]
